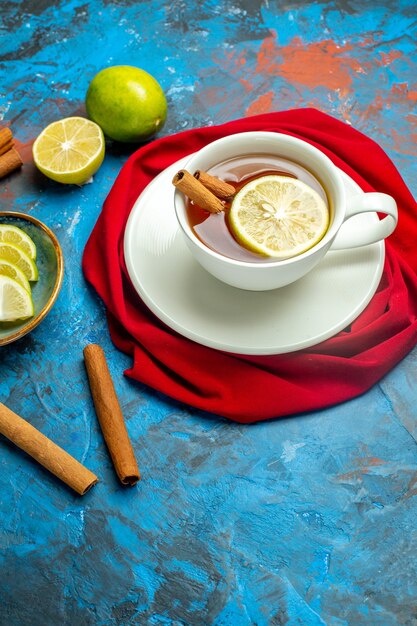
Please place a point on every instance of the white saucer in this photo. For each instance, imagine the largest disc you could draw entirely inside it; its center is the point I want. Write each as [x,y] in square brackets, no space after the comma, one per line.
[195,304]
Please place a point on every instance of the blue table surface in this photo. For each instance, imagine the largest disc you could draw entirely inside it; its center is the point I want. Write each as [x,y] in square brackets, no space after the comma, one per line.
[307,520]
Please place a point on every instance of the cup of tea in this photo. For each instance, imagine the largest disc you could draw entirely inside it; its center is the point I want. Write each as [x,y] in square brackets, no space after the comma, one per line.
[240,159]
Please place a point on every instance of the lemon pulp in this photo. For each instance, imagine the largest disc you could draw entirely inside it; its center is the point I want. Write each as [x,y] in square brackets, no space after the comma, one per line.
[14,254]
[278,216]
[15,301]
[70,150]
[11,270]
[15,235]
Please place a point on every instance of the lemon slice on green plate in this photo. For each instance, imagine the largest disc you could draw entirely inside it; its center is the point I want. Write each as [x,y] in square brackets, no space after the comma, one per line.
[14,254]
[70,150]
[15,301]
[278,216]
[15,235]
[11,270]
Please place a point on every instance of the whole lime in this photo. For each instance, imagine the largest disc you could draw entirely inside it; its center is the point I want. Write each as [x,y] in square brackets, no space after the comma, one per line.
[127,103]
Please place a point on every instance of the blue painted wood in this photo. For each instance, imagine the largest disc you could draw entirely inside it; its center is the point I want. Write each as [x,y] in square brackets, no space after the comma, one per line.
[308,520]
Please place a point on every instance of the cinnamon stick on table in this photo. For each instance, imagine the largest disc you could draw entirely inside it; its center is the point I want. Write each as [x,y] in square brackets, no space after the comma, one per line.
[6,137]
[45,451]
[6,147]
[9,161]
[110,415]
[195,190]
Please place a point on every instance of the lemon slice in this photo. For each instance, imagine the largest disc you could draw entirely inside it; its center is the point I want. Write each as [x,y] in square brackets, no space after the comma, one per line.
[14,254]
[8,269]
[70,150]
[278,216]
[15,302]
[13,234]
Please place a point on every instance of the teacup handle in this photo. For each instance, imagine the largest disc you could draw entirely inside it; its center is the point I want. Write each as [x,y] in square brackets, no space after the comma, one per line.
[365,203]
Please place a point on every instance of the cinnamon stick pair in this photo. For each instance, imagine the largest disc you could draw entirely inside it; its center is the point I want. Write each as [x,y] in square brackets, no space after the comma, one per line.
[59,462]
[6,140]
[10,159]
[205,190]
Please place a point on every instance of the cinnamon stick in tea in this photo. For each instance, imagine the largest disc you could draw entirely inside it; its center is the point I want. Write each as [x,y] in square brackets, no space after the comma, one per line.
[196,191]
[110,415]
[215,185]
[46,452]
[9,161]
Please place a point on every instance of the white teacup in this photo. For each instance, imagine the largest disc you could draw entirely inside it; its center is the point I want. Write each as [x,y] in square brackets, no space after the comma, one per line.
[277,273]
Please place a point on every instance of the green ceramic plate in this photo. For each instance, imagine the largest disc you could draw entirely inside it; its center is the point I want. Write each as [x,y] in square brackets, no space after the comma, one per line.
[51,270]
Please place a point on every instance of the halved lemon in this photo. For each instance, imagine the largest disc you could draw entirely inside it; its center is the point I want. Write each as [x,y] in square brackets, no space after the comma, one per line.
[278,216]
[70,150]
[13,234]
[11,270]
[15,302]
[14,254]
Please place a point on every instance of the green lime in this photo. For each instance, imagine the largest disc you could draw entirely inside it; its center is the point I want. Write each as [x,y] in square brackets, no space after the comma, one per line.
[127,103]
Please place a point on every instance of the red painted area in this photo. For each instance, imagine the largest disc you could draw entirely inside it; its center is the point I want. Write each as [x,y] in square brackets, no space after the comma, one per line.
[375,108]
[323,63]
[412,487]
[246,84]
[400,89]
[25,150]
[403,90]
[404,145]
[388,57]
[372,461]
[365,467]
[212,96]
[369,40]
[412,119]
[262,104]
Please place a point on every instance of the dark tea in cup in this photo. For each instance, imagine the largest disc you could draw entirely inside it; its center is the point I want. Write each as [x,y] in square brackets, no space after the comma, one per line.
[214,229]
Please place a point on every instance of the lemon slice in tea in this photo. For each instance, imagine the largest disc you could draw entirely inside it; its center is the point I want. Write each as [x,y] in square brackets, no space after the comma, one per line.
[70,150]
[15,235]
[278,216]
[14,254]
[15,302]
